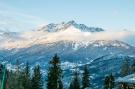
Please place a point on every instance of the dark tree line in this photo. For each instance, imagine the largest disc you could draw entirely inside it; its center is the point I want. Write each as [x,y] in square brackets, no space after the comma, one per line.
[27,79]
[22,79]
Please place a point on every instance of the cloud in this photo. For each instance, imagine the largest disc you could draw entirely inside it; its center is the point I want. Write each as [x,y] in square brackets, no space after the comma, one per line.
[30,38]
[125,36]
[73,34]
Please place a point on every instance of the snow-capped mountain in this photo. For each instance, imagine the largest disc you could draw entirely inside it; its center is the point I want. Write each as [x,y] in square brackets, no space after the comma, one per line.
[62,26]
[76,44]
[103,57]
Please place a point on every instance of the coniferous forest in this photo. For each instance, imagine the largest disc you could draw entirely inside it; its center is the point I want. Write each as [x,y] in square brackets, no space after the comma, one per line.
[33,79]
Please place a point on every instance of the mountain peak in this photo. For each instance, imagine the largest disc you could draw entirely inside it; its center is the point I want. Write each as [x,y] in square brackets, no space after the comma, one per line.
[52,27]
[71,22]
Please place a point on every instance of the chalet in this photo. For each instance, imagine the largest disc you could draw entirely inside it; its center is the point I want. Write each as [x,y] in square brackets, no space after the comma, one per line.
[127,82]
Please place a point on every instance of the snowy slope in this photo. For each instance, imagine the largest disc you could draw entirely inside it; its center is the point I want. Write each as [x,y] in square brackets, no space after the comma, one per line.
[127,79]
[76,44]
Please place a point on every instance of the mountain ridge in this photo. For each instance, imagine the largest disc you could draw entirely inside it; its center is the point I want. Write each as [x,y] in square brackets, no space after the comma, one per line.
[62,26]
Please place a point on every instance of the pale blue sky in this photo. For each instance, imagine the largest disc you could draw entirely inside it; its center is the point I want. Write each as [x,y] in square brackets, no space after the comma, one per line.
[19,15]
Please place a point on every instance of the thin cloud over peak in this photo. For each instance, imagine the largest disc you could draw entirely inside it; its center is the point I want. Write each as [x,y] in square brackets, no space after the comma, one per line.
[17,21]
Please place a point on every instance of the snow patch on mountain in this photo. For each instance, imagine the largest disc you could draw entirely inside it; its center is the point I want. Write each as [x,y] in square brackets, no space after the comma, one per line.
[99,43]
[70,31]
[62,26]
[127,79]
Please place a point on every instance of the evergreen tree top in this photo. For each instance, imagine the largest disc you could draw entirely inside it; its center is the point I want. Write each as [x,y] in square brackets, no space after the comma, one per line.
[55,59]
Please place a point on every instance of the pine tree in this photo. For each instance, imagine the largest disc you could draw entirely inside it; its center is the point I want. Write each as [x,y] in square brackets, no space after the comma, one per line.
[17,77]
[106,83]
[86,78]
[37,79]
[14,79]
[54,77]
[125,68]
[26,81]
[75,83]
[60,85]
[109,82]
[10,79]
